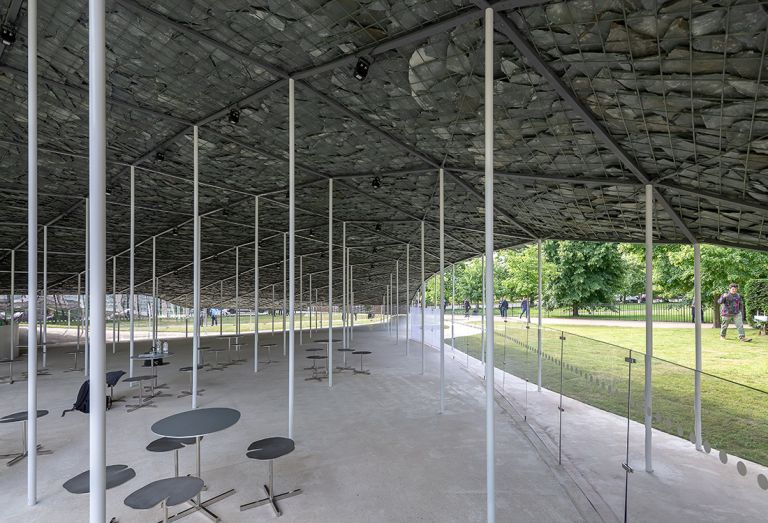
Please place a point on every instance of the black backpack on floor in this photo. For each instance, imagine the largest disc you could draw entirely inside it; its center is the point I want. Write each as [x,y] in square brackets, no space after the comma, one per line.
[82,403]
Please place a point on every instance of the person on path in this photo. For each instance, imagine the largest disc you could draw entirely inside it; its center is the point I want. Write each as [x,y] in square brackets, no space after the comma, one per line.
[503,307]
[467,306]
[523,308]
[732,310]
[214,315]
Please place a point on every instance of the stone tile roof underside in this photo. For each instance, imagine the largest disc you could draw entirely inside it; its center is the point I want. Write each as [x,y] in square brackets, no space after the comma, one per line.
[593,98]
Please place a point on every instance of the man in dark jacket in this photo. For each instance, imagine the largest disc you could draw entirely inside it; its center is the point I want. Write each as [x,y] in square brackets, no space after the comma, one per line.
[731,311]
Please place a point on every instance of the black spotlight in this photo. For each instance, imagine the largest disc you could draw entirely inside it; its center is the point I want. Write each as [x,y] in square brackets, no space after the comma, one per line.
[378,227]
[234,116]
[376,183]
[361,69]
[159,156]
[8,35]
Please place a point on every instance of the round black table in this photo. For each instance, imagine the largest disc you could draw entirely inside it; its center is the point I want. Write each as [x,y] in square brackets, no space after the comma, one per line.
[22,416]
[196,423]
[152,356]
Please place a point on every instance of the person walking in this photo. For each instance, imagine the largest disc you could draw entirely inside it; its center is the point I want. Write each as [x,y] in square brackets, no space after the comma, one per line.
[503,307]
[214,315]
[523,308]
[467,306]
[732,310]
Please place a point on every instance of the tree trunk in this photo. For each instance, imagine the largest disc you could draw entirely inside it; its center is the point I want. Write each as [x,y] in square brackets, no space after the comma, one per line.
[575,309]
[715,314]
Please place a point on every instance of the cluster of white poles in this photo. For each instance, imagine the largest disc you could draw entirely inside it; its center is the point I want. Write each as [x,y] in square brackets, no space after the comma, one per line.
[95,273]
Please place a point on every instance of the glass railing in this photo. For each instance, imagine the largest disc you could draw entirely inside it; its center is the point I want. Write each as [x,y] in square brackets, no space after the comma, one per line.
[591,409]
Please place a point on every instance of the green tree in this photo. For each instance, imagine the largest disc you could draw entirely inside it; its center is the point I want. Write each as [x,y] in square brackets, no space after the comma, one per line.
[518,274]
[585,272]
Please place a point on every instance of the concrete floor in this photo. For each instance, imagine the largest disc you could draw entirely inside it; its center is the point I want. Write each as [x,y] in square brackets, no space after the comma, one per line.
[371,448]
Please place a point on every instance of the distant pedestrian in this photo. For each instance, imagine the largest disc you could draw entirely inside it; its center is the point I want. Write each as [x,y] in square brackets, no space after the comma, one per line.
[214,316]
[467,306]
[523,308]
[693,311]
[732,310]
[503,307]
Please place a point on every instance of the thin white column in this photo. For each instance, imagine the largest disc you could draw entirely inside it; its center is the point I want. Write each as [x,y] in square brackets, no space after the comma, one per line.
[114,301]
[391,296]
[344,285]
[285,288]
[97,186]
[80,311]
[274,308]
[330,283]
[32,250]
[12,340]
[195,264]
[291,246]
[482,316]
[441,304]
[301,300]
[351,299]
[87,297]
[309,308]
[697,332]
[648,396]
[423,297]
[131,345]
[539,314]
[44,330]
[453,306]
[397,301]
[255,284]
[489,386]
[154,291]
[407,296]
[237,289]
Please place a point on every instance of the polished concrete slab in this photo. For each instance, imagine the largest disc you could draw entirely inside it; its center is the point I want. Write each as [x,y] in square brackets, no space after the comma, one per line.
[372,448]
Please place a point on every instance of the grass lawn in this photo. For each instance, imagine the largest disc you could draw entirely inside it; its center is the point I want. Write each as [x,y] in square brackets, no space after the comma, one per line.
[734,417]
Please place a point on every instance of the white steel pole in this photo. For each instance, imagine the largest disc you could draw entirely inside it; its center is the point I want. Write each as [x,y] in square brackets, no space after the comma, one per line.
[195,263]
[453,306]
[391,296]
[697,322]
[97,147]
[489,287]
[80,311]
[44,341]
[12,340]
[407,296]
[274,308]
[310,305]
[237,289]
[291,246]
[131,344]
[32,250]
[87,297]
[114,301]
[285,288]
[330,283]
[154,291]
[301,300]
[648,396]
[351,299]
[255,284]
[423,297]
[397,301]
[441,304]
[344,285]
[539,314]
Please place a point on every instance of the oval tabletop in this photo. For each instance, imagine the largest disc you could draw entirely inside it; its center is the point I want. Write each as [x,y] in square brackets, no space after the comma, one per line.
[196,422]
[21,416]
[171,490]
[325,340]
[116,475]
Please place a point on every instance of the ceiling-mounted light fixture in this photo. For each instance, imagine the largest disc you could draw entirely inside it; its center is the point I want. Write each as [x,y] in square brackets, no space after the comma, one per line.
[234,116]
[378,227]
[176,231]
[361,68]
[376,182]
[8,35]
[159,156]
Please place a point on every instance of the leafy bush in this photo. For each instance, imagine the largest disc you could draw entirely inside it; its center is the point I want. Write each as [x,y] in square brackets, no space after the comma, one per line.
[756,297]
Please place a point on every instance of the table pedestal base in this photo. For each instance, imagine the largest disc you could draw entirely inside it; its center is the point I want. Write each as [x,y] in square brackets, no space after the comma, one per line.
[272,500]
[202,507]
[185,393]
[16,457]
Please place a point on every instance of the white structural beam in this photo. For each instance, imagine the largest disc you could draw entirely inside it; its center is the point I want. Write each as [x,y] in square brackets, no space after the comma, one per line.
[301,300]
[154,292]
[12,340]
[86,356]
[407,297]
[285,289]
[397,301]
[114,302]
[97,186]
[255,284]
[131,270]
[291,246]
[423,297]
[648,396]
[697,310]
[330,283]
[237,290]
[31,250]
[539,318]
[195,263]
[44,329]
[488,294]
[441,305]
